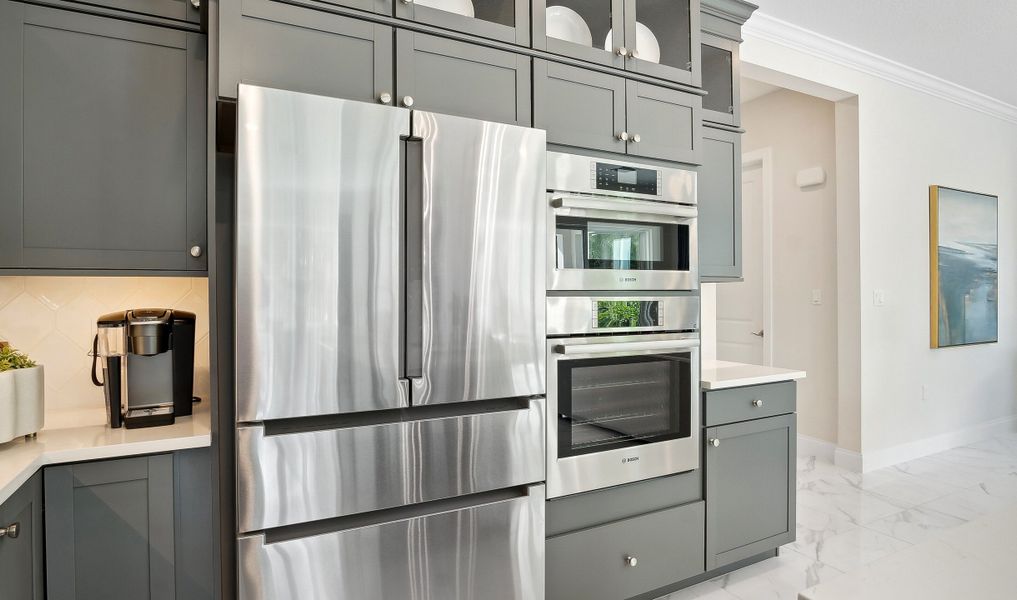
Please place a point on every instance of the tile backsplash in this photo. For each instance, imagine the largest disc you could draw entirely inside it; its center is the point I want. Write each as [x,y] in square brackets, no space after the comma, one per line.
[52,319]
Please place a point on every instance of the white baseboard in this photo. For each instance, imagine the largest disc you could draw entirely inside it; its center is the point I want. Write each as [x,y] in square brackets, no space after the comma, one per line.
[848,459]
[878,459]
[810,446]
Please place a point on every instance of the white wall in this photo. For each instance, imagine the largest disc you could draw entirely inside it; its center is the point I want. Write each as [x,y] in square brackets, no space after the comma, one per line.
[909,139]
[799,129]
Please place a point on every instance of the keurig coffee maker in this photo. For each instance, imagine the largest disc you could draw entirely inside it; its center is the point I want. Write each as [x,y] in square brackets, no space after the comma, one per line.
[147,359]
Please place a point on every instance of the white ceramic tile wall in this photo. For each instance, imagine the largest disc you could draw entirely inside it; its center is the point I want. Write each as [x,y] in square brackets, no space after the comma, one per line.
[52,319]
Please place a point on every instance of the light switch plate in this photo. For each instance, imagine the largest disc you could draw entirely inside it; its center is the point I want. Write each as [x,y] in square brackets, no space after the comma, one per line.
[878,297]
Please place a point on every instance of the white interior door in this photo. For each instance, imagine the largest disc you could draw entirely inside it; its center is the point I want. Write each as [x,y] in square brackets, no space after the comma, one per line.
[741,305]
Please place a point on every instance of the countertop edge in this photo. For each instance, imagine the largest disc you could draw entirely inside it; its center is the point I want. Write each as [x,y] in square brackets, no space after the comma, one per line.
[758,380]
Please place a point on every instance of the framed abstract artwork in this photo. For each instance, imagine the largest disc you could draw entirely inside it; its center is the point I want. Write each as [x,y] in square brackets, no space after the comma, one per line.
[964,275]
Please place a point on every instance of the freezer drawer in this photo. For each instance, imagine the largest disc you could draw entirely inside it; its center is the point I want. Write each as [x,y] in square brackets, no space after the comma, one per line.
[294,478]
[489,551]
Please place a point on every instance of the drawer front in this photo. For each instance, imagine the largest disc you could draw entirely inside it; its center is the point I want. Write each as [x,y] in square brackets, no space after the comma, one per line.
[751,402]
[667,545]
[357,469]
[491,551]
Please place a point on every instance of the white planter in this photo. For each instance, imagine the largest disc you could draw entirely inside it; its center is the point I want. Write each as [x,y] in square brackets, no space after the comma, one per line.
[22,404]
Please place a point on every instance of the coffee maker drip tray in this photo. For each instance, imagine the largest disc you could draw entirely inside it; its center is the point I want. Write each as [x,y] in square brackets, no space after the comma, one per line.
[148,416]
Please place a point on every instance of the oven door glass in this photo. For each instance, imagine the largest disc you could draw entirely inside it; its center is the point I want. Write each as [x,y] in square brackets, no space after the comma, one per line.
[608,403]
[584,243]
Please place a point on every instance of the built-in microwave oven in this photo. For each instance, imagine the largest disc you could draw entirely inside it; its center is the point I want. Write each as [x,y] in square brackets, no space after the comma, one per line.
[622,390]
[620,226]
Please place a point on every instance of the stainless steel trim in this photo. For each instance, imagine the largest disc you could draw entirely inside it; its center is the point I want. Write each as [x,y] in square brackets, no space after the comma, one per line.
[625,209]
[623,348]
[492,551]
[571,315]
[483,300]
[576,173]
[317,275]
[587,472]
[300,477]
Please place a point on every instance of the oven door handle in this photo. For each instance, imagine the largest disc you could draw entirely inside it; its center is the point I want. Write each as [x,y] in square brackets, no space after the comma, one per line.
[612,347]
[629,206]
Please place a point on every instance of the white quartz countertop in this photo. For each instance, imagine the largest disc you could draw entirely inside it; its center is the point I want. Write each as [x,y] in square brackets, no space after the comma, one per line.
[974,560]
[721,374]
[21,458]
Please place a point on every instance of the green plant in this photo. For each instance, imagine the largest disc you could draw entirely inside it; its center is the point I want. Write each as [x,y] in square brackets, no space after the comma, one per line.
[11,359]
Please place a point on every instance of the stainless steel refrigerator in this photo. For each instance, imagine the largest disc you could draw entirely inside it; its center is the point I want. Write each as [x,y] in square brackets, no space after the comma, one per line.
[389,352]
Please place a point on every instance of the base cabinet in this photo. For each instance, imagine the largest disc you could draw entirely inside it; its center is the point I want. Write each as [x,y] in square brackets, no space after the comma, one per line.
[21,547]
[750,488]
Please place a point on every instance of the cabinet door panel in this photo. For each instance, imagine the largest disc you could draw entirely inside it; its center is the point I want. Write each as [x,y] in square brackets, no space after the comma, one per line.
[109,529]
[279,45]
[21,558]
[750,488]
[602,17]
[667,122]
[578,107]
[112,146]
[503,20]
[463,79]
[720,205]
[667,44]
[721,79]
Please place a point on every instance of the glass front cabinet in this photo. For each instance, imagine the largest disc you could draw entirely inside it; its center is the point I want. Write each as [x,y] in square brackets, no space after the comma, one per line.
[657,38]
[720,80]
[503,20]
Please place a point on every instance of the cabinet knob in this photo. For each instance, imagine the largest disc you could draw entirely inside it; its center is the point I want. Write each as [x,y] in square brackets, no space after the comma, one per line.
[12,531]
[757,403]
[714,442]
[385,98]
[195,251]
[623,136]
[196,3]
[635,138]
[633,53]
[622,51]
[407,101]
[631,561]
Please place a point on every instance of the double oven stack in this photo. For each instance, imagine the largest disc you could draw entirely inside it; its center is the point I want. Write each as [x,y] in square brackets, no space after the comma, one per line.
[622,323]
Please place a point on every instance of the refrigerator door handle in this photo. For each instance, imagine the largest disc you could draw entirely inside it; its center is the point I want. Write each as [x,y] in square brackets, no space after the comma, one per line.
[413,258]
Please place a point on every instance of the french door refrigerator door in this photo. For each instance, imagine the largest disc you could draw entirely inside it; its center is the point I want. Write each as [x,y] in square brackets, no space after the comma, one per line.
[478,224]
[318,278]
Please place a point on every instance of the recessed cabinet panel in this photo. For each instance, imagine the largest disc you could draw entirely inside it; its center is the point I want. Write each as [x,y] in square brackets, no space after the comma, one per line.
[103,148]
[663,38]
[21,558]
[666,122]
[720,80]
[750,482]
[581,29]
[720,205]
[289,47]
[463,79]
[502,20]
[578,107]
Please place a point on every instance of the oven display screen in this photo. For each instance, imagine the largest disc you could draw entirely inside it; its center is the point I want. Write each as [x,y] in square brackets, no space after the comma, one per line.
[612,314]
[617,178]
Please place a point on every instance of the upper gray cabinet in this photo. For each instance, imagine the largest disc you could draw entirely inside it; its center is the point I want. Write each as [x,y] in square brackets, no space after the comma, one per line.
[657,38]
[458,78]
[721,80]
[592,110]
[102,143]
[503,20]
[720,206]
[21,547]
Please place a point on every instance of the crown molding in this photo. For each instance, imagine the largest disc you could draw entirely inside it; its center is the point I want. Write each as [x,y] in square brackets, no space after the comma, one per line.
[764,27]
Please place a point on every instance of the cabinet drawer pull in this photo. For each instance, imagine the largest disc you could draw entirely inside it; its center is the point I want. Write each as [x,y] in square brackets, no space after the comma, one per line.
[12,531]
[631,561]
[196,251]
[407,101]
[714,442]
[385,98]
[196,3]
[757,403]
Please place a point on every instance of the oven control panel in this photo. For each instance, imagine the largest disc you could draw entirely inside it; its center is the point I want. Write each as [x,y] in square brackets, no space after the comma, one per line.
[624,178]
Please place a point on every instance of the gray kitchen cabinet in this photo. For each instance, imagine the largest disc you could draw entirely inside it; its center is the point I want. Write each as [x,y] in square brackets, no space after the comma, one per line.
[750,488]
[178,10]
[381,7]
[102,143]
[274,44]
[657,38]
[720,205]
[721,80]
[447,76]
[129,528]
[21,545]
[597,111]
[502,20]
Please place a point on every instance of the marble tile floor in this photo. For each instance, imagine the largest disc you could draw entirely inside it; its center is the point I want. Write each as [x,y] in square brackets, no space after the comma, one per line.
[848,520]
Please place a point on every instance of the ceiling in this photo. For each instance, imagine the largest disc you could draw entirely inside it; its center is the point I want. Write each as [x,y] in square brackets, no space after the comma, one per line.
[971,44]
[752,89]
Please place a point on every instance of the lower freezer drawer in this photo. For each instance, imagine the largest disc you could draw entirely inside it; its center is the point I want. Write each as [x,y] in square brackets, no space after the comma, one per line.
[491,551]
[289,478]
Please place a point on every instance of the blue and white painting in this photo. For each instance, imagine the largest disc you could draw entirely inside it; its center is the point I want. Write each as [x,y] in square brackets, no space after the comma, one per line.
[967,250]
